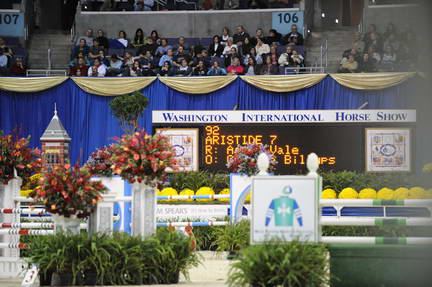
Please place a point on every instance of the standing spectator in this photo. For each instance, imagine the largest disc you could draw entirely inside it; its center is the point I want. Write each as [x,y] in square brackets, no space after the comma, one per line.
[184,69]
[115,66]
[235,68]
[229,44]
[262,48]
[216,48]
[258,34]
[251,67]
[274,55]
[225,36]
[165,69]
[368,64]
[269,68]
[18,69]
[285,59]
[163,48]
[168,57]
[155,36]
[149,46]
[388,60]
[216,70]
[94,50]
[102,40]
[97,70]
[81,48]
[181,42]
[252,54]
[88,37]
[240,36]
[200,69]
[293,38]
[138,39]
[273,37]
[80,69]
[350,65]
[122,38]
[134,71]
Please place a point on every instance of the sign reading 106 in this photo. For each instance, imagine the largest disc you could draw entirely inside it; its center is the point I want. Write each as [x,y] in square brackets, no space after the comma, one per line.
[282,21]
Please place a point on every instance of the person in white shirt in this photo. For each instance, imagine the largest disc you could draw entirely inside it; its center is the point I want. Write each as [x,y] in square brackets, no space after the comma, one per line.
[228,46]
[97,70]
[261,48]
[122,38]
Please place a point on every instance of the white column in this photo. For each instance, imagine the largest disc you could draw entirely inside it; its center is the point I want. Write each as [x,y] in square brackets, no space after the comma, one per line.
[143,209]
[101,221]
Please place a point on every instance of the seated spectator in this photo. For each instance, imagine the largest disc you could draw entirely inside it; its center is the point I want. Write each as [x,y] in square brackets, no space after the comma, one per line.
[390,29]
[102,40]
[204,57]
[240,36]
[293,38]
[122,38]
[252,54]
[358,43]
[168,57]
[5,49]
[285,59]
[138,39]
[149,46]
[374,53]
[95,50]
[366,38]
[231,56]
[88,37]
[225,36]
[274,54]
[102,57]
[74,62]
[143,5]
[368,64]
[165,69]
[258,34]
[235,68]
[18,69]
[268,68]
[147,70]
[349,65]
[251,67]
[216,48]
[97,70]
[262,48]
[134,71]
[216,70]
[155,36]
[229,44]
[245,48]
[128,60]
[80,69]
[182,43]
[181,54]
[148,5]
[297,59]
[388,61]
[273,37]
[183,70]
[146,59]
[4,64]
[81,48]
[200,69]
[392,41]
[163,48]
[115,66]
[374,41]
[353,51]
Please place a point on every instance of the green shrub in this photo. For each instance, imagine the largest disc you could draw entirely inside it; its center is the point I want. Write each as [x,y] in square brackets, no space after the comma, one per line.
[233,237]
[206,236]
[276,263]
[196,179]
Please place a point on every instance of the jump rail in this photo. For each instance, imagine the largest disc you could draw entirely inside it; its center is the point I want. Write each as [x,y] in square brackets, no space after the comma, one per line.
[376,240]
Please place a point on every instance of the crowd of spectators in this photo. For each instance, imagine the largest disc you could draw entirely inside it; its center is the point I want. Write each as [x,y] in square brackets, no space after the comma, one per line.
[238,54]
[389,51]
[9,64]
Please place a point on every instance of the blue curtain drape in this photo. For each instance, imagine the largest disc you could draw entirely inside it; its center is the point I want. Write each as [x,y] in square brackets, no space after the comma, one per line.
[89,122]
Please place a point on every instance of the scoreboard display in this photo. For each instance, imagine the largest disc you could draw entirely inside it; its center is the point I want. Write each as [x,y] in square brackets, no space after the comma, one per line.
[339,146]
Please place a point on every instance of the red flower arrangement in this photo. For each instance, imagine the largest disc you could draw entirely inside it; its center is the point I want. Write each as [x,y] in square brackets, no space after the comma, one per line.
[16,154]
[99,163]
[244,159]
[143,158]
[69,191]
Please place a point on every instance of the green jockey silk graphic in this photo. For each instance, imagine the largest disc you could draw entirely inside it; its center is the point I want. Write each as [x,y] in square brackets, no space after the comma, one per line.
[284,209]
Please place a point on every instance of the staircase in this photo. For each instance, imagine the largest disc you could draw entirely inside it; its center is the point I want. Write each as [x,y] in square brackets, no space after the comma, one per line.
[337,42]
[60,50]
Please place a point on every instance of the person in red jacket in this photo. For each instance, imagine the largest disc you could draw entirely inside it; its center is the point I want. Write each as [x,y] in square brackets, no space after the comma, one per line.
[18,69]
[80,69]
[235,68]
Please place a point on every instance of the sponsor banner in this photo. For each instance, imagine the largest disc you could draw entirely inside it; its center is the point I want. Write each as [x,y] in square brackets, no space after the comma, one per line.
[196,212]
[294,117]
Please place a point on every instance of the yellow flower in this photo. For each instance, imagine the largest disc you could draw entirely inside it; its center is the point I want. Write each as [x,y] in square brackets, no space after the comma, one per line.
[168,191]
[348,193]
[205,190]
[401,193]
[224,191]
[368,193]
[25,192]
[328,193]
[385,193]
[417,192]
[187,191]
[248,197]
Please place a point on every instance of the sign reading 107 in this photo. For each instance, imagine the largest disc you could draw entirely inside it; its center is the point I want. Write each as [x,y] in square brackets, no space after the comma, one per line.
[282,21]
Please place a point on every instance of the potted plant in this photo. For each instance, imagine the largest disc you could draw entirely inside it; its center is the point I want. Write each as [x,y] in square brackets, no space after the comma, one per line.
[128,108]
[232,238]
[69,194]
[143,160]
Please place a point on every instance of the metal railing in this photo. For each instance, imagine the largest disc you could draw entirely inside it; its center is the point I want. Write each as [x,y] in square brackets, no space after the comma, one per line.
[49,55]
[304,70]
[324,54]
[45,73]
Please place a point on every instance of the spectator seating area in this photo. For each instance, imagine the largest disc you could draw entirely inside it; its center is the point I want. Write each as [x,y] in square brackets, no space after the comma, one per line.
[390,50]
[238,53]
[13,57]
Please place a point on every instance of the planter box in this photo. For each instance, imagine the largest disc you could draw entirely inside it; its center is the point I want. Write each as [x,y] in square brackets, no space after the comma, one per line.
[380,266]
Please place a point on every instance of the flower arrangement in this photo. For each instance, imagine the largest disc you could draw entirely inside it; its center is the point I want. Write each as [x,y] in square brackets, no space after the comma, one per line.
[328,193]
[69,191]
[15,153]
[244,159]
[99,162]
[143,158]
